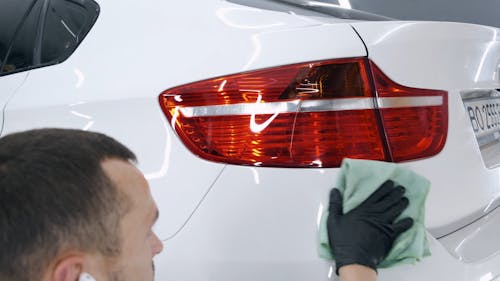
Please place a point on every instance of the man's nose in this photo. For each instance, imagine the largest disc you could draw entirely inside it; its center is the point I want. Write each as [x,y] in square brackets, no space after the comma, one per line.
[157,245]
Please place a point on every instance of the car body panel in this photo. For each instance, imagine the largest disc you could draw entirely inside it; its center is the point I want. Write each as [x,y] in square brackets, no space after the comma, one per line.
[114,88]
[468,245]
[241,232]
[225,222]
[463,56]
[8,87]
[455,57]
[253,224]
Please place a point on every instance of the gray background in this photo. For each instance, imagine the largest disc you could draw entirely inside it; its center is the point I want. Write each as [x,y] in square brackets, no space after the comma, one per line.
[485,12]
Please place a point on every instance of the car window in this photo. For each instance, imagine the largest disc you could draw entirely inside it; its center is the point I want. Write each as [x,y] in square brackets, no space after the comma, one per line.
[12,13]
[20,54]
[66,23]
[48,34]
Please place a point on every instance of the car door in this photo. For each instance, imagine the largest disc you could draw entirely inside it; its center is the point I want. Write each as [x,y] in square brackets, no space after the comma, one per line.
[18,19]
[42,33]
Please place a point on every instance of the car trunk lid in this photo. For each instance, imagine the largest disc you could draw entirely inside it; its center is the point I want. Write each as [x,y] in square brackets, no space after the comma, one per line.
[460,59]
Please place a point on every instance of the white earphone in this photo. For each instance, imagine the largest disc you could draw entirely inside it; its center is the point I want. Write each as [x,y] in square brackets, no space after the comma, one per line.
[84,276]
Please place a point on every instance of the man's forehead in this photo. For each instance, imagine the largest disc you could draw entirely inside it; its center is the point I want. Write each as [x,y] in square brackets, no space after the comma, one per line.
[124,174]
[129,180]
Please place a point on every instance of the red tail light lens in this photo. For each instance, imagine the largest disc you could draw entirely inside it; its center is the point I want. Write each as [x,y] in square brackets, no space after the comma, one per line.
[415,121]
[302,115]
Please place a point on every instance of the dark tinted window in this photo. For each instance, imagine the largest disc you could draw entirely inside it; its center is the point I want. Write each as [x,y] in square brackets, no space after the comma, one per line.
[66,23]
[48,34]
[20,55]
[12,12]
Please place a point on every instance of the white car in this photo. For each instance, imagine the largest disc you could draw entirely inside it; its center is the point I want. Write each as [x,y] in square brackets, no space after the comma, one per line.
[241,114]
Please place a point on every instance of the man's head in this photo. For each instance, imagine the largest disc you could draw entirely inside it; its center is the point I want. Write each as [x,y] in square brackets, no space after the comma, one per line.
[71,202]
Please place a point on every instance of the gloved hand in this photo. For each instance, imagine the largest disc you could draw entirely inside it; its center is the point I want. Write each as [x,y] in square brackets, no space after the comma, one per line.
[365,234]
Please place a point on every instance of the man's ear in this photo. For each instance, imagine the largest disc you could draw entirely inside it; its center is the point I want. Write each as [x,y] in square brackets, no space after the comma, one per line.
[68,268]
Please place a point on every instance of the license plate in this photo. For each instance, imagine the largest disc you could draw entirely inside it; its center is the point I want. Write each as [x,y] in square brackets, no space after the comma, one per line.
[483,109]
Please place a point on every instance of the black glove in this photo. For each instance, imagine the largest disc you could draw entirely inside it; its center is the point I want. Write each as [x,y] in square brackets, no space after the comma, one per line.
[365,234]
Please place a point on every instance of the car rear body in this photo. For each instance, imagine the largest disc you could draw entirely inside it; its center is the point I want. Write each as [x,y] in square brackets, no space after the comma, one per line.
[223,221]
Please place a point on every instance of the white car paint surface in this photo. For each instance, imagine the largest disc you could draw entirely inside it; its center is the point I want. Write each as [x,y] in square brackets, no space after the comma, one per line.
[8,86]
[229,222]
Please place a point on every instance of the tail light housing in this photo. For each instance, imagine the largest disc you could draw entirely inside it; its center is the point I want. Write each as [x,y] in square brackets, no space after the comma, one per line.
[307,115]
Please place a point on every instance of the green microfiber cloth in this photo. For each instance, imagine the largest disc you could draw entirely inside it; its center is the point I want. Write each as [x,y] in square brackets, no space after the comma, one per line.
[358,179]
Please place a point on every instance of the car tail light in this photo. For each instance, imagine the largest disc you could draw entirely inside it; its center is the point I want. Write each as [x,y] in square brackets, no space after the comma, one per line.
[415,121]
[307,115]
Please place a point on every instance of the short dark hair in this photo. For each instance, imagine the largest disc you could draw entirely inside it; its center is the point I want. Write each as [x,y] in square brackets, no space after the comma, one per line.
[55,196]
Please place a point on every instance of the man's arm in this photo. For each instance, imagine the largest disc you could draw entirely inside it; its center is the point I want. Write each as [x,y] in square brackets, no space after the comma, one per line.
[356,272]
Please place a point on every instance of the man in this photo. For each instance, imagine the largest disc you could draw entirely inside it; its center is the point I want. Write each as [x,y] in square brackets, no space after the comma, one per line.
[74,207]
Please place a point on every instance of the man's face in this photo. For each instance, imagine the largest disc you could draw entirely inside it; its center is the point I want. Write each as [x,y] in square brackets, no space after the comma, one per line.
[139,243]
